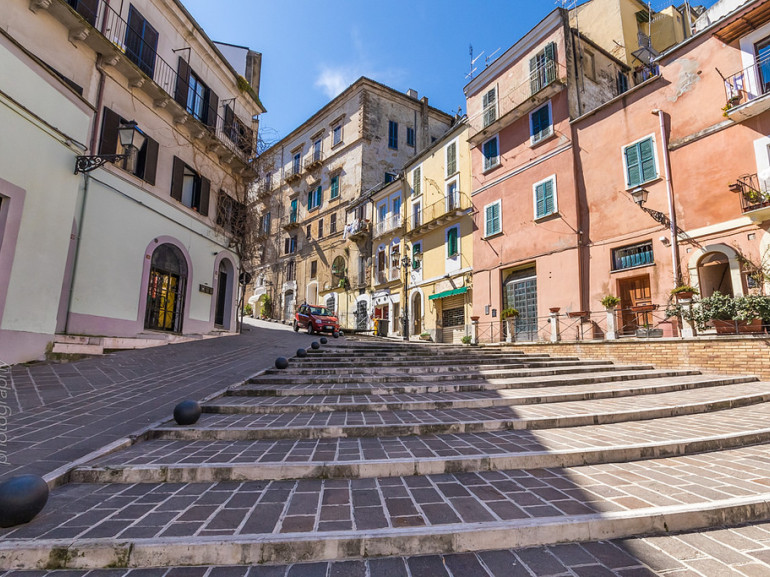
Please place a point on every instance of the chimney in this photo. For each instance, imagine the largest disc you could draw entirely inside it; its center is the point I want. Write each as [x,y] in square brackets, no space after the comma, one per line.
[412,93]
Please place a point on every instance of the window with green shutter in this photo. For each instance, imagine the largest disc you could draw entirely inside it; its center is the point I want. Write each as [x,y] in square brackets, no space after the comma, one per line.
[492,224]
[314,198]
[542,68]
[452,247]
[489,104]
[640,162]
[491,157]
[545,198]
[540,123]
[335,186]
[451,159]
[416,250]
[417,181]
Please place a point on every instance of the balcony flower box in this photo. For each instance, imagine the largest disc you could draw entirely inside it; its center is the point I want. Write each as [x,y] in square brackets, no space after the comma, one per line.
[649,333]
[733,327]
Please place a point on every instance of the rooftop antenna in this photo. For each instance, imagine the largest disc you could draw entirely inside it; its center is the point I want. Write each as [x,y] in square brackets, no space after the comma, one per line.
[489,58]
[469,76]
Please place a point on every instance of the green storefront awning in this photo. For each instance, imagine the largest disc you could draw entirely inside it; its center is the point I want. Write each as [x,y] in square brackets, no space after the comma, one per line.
[449,293]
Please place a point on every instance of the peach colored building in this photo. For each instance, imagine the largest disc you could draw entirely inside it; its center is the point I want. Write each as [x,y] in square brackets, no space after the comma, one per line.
[696,139]
[528,226]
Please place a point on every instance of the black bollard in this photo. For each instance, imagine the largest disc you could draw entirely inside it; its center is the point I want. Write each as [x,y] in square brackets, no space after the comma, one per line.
[21,498]
[187,413]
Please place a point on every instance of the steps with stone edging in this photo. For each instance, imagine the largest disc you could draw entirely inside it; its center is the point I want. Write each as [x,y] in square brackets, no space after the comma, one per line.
[365,450]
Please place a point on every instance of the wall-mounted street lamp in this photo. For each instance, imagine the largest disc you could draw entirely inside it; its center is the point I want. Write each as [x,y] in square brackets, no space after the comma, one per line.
[639,195]
[406,262]
[131,138]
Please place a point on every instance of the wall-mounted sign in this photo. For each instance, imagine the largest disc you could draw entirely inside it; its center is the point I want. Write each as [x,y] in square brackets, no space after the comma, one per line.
[206,289]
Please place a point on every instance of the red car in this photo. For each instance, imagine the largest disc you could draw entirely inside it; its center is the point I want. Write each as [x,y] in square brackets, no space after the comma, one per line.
[315,319]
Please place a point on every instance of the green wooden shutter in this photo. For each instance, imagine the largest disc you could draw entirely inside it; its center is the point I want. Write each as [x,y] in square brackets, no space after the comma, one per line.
[540,202]
[417,181]
[452,242]
[647,160]
[493,220]
[549,197]
[451,159]
[318,195]
[534,76]
[541,122]
[416,249]
[633,168]
[550,63]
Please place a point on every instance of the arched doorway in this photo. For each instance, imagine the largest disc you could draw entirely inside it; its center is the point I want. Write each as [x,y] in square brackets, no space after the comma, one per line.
[288,306]
[166,290]
[416,314]
[714,274]
[224,302]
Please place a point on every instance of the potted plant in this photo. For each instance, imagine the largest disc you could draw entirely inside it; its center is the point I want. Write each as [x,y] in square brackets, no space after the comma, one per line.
[610,301]
[466,340]
[730,315]
[684,292]
[647,332]
[425,336]
[509,317]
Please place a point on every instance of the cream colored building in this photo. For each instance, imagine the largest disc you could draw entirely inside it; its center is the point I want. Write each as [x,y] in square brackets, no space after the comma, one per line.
[130,247]
[439,233]
[315,187]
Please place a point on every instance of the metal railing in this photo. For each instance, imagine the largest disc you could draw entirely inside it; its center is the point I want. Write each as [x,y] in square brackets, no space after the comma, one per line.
[448,207]
[748,84]
[290,220]
[753,192]
[315,158]
[389,224]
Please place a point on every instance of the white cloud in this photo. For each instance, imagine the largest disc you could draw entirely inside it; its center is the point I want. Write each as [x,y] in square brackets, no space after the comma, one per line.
[334,80]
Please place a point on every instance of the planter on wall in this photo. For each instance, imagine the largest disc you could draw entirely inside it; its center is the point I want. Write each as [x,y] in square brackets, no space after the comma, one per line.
[685,295]
[649,333]
[729,327]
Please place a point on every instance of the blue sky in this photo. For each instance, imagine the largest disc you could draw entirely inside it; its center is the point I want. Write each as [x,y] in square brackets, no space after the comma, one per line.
[312,50]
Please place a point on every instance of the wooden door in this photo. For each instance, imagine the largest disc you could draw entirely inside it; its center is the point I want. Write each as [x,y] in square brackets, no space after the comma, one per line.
[634,292]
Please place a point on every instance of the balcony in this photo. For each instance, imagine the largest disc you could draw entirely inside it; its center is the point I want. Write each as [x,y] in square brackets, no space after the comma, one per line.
[264,190]
[748,91]
[754,195]
[393,222]
[541,85]
[438,214]
[357,230]
[102,29]
[315,160]
[290,221]
[294,173]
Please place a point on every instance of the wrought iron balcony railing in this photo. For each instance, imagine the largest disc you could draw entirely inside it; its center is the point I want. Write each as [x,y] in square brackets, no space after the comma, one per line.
[315,159]
[748,84]
[391,223]
[290,220]
[753,192]
[438,213]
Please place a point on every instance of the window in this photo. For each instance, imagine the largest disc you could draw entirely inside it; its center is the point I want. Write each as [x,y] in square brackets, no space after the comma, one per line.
[295,163]
[337,133]
[417,181]
[231,214]
[141,42]
[314,198]
[416,214]
[622,82]
[146,159]
[308,232]
[492,222]
[451,159]
[290,245]
[87,9]
[335,187]
[540,125]
[589,65]
[382,211]
[389,177]
[410,136]
[269,181]
[452,245]
[452,196]
[491,157]
[393,135]
[320,228]
[190,188]
[639,160]
[489,104]
[317,151]
[632,256]
[545,197]
[313,269]
[416,251]
[237,131]
[293,211]
[291,269]
[333,223]
[396,206]
[194,96]
[265,223]
[542,68]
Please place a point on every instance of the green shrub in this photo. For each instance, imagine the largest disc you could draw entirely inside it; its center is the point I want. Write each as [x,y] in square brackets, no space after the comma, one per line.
[610,301]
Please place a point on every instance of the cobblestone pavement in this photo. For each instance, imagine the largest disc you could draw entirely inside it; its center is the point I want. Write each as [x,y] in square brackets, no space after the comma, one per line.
[61,412]
[737,552]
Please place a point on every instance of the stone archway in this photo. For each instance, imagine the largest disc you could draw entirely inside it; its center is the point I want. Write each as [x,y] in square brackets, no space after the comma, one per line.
[716,268]
[166,289]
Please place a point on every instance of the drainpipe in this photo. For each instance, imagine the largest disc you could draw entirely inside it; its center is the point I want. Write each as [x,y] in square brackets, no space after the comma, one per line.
[670,193]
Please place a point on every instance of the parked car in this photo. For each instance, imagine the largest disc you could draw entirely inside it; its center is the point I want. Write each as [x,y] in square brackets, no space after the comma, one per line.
[315,319]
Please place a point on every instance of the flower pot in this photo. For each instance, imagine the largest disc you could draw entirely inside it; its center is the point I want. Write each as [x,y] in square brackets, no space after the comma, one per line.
[734,327]
[684,295]
[644,308]
[649,333]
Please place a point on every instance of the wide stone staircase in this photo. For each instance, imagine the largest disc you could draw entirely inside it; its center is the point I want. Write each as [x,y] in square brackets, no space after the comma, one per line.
[371,458]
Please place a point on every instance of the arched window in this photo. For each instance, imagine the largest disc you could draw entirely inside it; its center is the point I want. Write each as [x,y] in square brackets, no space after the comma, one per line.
[339,272]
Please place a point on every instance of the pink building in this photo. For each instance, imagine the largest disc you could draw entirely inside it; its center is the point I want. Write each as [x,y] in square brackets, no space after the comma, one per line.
[696,140]
[528,226]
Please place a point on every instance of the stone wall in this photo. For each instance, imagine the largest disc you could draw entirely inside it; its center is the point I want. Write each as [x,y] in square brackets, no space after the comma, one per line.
[730,355]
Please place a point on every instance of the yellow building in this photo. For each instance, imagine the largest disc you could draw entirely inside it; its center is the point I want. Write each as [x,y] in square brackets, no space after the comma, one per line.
[439,235]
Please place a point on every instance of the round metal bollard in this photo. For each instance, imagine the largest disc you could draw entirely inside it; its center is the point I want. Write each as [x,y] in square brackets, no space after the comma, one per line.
[301,353]
[187,413]
[336,335]
[21,498]
[281,363]
[315,345]
[324,340]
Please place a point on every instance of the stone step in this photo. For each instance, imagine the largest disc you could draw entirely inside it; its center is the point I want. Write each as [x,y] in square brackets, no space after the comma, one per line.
[157,461]
[155,525]
[256,389]
[742,550]
[324,362]
[286,378]
[75,349]
[395,423]
[239,404]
